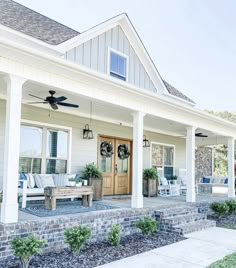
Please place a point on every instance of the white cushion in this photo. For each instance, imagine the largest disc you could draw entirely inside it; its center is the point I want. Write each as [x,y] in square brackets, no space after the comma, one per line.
[30,181]
[38,181]
[164,181]
[44,180]
[60,180]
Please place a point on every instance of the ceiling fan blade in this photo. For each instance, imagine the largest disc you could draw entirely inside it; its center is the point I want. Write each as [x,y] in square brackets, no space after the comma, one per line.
[36,97]
[59,99]
[54,106]
[36,102]
[68,104]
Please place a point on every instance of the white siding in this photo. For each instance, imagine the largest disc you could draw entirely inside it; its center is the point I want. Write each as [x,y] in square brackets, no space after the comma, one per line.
[94,54]
[85,151]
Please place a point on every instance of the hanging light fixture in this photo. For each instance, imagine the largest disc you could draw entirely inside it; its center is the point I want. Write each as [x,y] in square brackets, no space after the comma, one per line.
[146,142]
[88,133]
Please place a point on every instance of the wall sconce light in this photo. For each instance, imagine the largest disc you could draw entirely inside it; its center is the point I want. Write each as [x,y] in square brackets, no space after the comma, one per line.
[87,133]
[146,142]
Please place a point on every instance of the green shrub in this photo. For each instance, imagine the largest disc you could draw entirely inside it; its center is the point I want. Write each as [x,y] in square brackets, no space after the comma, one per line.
[147,225]
[114,235]
[26,248]
[219,208]
[150,173]
[91,171]
[232,205]
[76,236]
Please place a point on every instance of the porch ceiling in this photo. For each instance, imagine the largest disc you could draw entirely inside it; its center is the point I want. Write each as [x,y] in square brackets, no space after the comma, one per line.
[110,113]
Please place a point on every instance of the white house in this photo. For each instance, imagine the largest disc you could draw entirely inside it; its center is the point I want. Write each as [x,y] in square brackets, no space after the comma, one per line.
[107,71]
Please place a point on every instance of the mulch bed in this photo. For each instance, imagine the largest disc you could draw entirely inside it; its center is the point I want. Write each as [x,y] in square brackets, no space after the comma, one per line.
[226,221]
[96,254]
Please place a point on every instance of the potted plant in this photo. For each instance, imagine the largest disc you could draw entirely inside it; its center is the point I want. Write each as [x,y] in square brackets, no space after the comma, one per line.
[150,182]
[94,177]
[72,182]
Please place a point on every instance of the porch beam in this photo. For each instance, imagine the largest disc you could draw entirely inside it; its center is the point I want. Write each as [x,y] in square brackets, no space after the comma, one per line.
[9,209]
[137,169]
[190,164]
[231,175]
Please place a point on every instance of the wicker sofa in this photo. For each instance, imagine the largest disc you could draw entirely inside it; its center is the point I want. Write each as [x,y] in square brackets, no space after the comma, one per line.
[31,187]
[213,185]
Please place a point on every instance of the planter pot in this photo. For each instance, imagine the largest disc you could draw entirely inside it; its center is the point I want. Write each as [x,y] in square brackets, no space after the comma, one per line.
[97,185]
[85,182]
[150,187]
[71,183]
[79,184]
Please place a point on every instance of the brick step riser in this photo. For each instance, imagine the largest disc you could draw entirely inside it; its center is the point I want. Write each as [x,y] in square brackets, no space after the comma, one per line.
[182,231]
[178,212]
[177,221]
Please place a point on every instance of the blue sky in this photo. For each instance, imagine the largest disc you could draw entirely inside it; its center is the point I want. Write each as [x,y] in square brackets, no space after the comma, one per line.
[192,42]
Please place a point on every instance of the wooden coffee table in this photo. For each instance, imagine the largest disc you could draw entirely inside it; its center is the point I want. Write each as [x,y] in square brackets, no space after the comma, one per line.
[53,193]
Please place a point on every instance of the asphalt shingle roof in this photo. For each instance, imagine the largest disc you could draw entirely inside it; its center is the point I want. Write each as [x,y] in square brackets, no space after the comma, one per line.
[27,21]
[175,92]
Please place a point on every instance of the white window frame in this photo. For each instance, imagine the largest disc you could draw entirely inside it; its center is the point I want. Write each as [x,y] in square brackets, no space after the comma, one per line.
[109,63]
[163,160]
[46,127]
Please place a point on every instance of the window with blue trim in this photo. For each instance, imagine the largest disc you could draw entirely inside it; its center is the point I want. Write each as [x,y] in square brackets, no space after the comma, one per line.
[118,66]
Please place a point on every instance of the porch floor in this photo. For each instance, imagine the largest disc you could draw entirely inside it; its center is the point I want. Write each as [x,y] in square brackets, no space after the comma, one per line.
[125,202]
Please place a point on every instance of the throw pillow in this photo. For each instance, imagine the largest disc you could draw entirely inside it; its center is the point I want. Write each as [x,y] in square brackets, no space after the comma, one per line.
[47,180]
[206,180]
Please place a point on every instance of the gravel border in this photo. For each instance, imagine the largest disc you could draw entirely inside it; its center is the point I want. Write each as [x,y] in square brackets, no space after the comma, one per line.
[96,254]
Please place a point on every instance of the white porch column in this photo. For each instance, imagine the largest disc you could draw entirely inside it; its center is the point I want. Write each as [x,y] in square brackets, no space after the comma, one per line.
[137,177]
[231,175]
[9,209]
[190,165]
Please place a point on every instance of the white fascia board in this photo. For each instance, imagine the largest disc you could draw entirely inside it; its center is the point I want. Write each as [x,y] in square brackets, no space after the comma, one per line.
[62,65]
[29,41]
[124,22]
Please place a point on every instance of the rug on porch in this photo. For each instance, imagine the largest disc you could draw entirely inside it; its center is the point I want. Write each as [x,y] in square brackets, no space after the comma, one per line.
[37,208]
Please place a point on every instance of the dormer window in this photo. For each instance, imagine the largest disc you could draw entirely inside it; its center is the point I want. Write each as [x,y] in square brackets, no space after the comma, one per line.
[118,65]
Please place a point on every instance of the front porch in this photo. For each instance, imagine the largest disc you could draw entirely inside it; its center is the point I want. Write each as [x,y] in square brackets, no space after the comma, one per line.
[106,118]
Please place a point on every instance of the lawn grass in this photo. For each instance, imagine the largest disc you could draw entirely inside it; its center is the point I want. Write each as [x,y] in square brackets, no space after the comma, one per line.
[227,262]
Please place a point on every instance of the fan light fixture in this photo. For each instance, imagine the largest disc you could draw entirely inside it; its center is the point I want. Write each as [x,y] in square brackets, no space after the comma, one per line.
[87,133]
[146,142]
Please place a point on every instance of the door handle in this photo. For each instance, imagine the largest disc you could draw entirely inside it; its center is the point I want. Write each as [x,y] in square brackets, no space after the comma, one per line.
[116,170]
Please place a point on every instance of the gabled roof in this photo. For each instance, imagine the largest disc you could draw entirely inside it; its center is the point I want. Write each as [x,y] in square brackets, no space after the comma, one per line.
[36,25]
[175,92]
[27,21]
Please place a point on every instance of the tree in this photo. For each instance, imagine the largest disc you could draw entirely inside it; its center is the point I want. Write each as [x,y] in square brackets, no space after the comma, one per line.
[221,151]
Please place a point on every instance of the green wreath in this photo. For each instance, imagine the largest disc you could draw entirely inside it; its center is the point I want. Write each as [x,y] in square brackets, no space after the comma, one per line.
[106,149]
[123,151]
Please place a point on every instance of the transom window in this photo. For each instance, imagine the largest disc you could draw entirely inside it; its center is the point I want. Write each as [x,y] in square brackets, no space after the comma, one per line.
[43,150]
[163,159]
[118,65]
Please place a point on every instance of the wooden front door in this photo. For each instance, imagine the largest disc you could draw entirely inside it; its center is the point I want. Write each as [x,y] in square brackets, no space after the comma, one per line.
[116,171]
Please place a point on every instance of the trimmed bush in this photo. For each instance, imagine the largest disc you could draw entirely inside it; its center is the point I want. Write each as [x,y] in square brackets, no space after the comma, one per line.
[75,237]
[232,205]
[114,235]
[219,208]
[147,225]
[26,248]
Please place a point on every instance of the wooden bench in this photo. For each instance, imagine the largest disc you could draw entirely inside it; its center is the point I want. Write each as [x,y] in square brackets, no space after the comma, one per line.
[53,193]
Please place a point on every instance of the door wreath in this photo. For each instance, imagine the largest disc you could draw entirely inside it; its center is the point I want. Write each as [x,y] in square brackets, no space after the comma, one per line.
[106,149]
[123,151]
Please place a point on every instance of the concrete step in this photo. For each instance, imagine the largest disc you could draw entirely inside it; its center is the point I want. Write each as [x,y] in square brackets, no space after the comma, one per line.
[176,211]
[190,227]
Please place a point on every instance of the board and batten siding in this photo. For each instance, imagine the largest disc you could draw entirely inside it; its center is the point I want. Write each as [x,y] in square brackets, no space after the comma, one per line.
[85,151]
[94,54]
